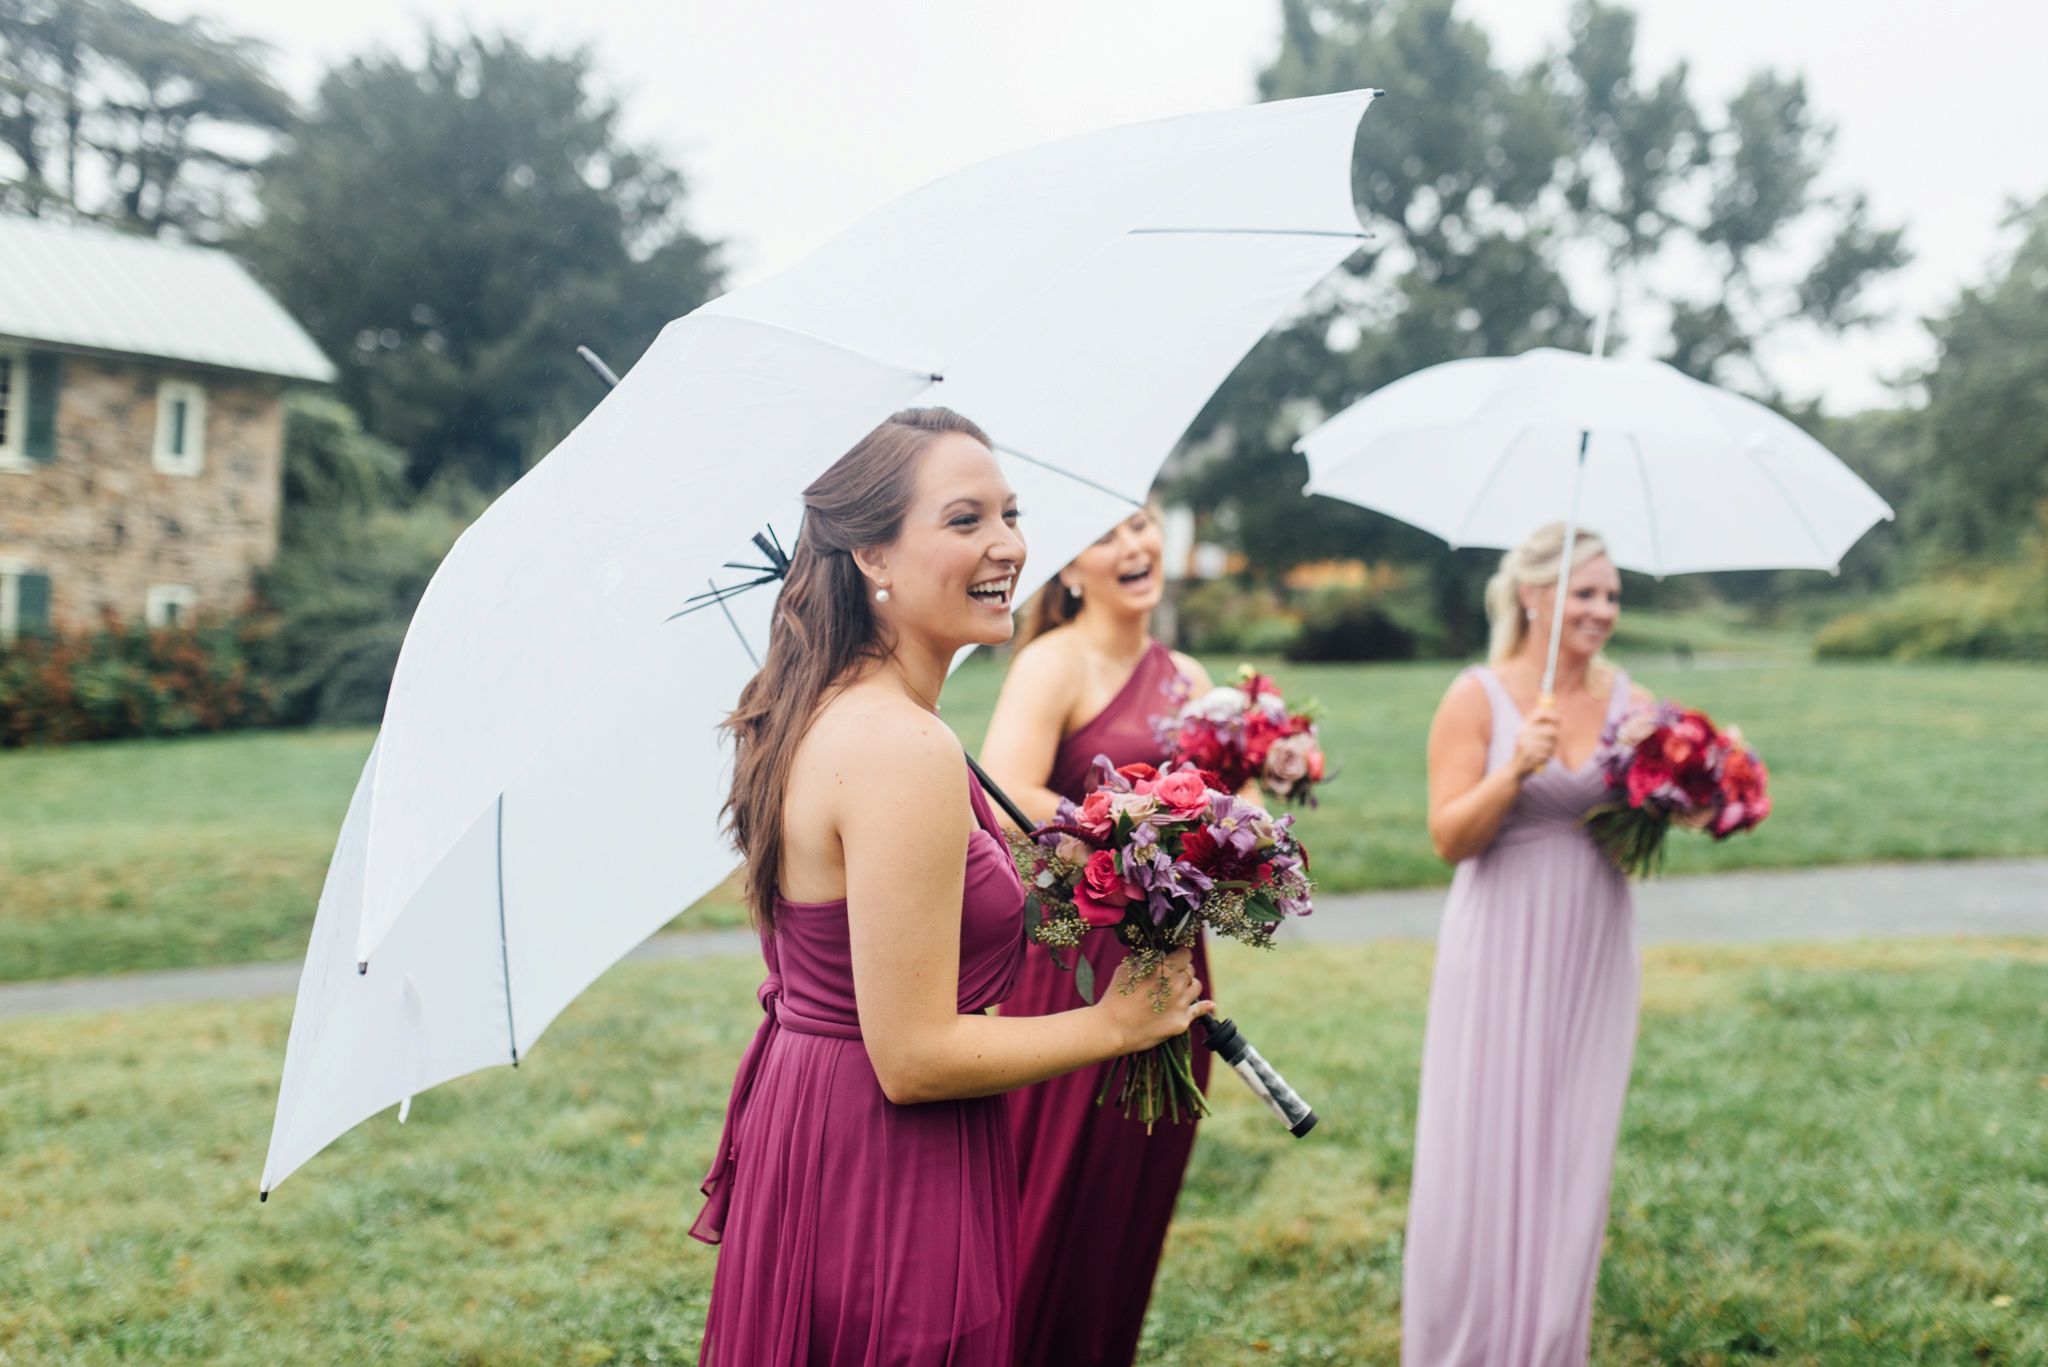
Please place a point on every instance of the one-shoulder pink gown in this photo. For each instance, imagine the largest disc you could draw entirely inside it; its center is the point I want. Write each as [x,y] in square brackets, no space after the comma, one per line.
[1525,1063]
[855,1232]
[1098,1191]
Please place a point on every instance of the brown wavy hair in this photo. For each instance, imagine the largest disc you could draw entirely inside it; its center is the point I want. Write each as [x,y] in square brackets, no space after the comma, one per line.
[824,630]
[1054,605]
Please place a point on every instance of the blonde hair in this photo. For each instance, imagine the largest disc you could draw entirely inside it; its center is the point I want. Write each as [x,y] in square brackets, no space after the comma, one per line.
[1535,563]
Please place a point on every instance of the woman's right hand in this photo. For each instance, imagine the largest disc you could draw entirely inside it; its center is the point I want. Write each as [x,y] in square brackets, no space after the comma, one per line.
[1133,1014]
[1537,741]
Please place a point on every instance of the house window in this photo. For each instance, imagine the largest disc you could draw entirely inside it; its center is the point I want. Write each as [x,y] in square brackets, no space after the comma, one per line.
[24,600]
[29,381]
[169,605]
[180,428]
[13,415]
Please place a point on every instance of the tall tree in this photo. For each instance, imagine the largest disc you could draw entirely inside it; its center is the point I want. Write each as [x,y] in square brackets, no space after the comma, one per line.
[112,113]
[1984,485]
[1479,182]
[450,230]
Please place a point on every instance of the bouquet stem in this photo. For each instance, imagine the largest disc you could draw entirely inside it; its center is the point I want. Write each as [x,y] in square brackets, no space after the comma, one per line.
[1632,838]
[1156,1084]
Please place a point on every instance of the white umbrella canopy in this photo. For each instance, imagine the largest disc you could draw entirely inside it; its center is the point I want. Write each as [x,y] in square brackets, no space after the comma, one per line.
[544,792]
[1679,477]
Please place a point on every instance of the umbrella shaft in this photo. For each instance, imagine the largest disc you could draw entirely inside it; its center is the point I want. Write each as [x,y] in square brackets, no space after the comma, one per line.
[1548,695]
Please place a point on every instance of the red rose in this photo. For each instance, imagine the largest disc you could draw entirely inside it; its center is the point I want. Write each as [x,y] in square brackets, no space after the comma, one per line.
[1183,792]
[1644,778]
[1103,893]
[1139,773]
[1260,731]
[1102,880]
[1201,745]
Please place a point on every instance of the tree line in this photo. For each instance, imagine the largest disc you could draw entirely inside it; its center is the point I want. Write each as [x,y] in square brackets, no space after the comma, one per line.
[449,225]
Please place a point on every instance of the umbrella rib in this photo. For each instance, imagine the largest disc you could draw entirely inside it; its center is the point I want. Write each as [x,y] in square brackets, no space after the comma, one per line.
[1790,502]
[1078,479]
[1256,232]
[733,622]
[1649,507]
[504,944]
[1479,494]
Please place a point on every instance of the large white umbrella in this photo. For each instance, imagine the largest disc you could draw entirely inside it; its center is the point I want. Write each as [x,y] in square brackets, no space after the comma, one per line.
[545,789]
[1678,476]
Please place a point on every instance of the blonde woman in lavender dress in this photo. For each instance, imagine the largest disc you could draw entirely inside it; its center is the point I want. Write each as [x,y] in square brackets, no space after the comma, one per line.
[1532,1014]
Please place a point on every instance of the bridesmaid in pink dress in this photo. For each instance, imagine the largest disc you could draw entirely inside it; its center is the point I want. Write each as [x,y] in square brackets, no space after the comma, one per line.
[1098,1191]
[1532,1015]
[864,1192]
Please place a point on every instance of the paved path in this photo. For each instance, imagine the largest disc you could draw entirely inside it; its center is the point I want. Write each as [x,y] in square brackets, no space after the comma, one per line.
[1970,897]
[1974,897]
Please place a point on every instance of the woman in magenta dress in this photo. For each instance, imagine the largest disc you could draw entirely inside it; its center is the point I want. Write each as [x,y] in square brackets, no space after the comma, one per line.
[1532,1014]
[864,1192]
[1098,1191]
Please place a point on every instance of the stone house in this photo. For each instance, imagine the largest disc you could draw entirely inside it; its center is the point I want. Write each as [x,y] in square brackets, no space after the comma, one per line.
[141,435]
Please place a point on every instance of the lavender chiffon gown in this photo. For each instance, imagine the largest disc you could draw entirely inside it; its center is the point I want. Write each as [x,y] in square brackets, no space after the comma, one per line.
[1098,1191]
[854,1232]
[1525,1063]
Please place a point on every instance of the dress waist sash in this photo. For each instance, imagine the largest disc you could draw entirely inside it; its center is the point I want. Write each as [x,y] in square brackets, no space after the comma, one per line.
[709,1226]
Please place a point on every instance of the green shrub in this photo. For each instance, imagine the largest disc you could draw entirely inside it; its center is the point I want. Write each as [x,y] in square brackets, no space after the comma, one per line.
[1388,618]
[119,681]
[356,549]
[1995,615]
[1226,617]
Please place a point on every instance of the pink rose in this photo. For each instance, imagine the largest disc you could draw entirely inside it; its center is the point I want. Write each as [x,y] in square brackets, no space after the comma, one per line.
[1102,881]
[1095,816]
[1071,850]
[1184,793]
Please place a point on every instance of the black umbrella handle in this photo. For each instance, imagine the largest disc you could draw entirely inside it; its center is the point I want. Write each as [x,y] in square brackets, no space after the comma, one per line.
[1011,809]
[1222,1037]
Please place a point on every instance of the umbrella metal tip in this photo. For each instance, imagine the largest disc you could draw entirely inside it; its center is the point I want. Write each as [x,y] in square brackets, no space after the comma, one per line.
[262,1196]
[362,967]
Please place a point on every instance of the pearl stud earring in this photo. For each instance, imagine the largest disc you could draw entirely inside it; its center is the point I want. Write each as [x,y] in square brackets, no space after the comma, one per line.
[882,594]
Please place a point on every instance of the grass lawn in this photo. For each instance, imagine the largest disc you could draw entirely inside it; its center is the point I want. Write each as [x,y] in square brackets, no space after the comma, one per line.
[1830,1155]
[158,854]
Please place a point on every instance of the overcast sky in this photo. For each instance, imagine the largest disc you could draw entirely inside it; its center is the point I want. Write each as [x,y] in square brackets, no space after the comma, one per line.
[793,117]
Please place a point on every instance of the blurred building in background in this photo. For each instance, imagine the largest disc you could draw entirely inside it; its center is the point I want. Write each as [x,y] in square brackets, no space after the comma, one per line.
[141,439]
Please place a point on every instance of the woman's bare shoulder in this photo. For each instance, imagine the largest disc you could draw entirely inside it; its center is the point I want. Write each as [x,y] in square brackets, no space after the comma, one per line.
[1046,665]
[1465,701]
[880,736]
[1048,650]
[1191,670]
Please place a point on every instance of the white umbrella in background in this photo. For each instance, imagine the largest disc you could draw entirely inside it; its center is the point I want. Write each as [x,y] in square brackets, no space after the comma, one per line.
[545,789]
[1678,476]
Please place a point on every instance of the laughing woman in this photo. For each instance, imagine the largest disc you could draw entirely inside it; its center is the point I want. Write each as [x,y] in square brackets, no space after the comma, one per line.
[864,1192]
[1532,1014]
[1098,1190]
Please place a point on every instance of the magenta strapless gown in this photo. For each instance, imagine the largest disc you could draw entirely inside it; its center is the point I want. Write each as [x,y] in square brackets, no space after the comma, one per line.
[1098,1192]
[1525,1062]
[855,1232]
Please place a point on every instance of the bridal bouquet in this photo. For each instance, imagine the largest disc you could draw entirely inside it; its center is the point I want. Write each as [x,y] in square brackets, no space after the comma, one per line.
[1244,731]
[1664,764]
[1156,855]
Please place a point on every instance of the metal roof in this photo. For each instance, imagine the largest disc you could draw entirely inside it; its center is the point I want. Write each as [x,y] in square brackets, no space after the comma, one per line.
[91,287]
